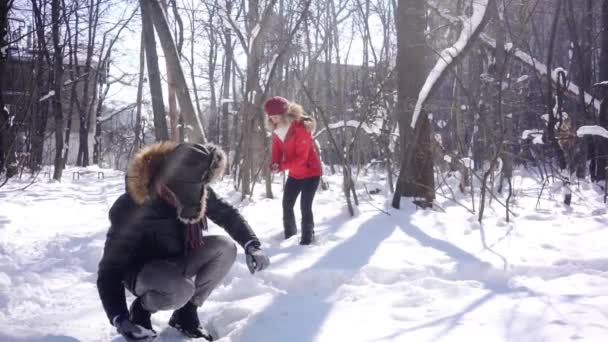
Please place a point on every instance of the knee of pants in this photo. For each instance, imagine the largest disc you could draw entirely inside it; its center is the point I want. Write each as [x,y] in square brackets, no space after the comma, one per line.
[223,245]
[288,202]
[173,294]
[168,302]
[230,250]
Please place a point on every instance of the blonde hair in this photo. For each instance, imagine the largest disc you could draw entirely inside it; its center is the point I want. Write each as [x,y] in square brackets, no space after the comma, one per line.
[295,112]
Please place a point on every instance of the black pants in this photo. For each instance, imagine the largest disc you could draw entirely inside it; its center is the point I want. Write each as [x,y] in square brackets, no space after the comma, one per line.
[293,187]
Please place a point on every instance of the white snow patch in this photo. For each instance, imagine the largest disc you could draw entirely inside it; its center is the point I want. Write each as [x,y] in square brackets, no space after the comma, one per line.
[592,130]
[369,129]
[542,70]
[531,132]
[47,96]
[467,162]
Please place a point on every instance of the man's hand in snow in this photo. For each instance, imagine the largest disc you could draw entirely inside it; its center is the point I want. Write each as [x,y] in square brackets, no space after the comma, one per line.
[132,332]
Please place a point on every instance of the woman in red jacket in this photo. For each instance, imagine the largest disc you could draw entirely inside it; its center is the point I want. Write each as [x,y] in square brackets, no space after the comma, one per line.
[293,149]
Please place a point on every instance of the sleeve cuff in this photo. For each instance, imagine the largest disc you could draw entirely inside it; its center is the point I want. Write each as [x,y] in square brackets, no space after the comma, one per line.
[119,318]
[253,242]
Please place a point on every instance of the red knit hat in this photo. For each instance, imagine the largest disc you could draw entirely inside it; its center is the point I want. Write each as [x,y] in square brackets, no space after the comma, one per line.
[276,105]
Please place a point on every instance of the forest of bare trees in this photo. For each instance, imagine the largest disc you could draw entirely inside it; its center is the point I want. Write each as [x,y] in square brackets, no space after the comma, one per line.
[420,90]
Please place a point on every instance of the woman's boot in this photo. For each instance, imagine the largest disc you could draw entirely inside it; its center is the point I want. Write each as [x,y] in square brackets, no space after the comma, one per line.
[290,228]
[308,233]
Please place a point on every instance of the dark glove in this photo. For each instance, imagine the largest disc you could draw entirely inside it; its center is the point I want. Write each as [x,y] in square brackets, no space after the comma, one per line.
[256,259]
[132,332]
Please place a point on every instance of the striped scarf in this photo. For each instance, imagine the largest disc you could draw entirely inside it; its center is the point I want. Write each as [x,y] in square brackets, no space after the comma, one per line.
[194,235]
[194,231]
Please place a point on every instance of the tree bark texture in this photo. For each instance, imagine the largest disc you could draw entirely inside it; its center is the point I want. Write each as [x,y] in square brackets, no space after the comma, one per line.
[156,91]
[159,18]
[602,154]
[416,174]
[57,109]
[225,122]
[137,143]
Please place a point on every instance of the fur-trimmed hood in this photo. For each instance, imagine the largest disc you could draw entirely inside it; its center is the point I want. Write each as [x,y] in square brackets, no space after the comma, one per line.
[295,113]
[148,163]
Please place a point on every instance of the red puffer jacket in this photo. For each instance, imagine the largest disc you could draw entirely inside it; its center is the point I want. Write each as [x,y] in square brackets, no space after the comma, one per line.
[297,153]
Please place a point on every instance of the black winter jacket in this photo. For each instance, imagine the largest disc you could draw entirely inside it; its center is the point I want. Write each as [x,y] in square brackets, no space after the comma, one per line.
[141,233]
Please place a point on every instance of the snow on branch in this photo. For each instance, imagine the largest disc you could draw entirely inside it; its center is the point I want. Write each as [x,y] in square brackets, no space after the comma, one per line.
[111,115]
[592,130]
[371,130]
[470,28]
[536,135]
[530,61]
[541,68]
[47,96]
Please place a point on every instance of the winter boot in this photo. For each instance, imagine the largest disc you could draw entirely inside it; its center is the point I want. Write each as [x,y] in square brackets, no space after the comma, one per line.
[289,227]
[185,320]
[308,234]
[140,316]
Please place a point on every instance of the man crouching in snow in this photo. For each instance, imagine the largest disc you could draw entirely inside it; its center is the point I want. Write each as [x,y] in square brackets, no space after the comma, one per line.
[155,246]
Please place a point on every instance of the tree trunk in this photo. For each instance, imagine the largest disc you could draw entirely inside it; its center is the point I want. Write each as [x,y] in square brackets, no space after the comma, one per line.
[236,128]
[40,113]
[173,113]
[137,143]
[249,110]
[192,74]
[156,90]
[57,85]
[549,97]
[213,112]
[101,97]
[602,158]
[225,122]
[155,11]
[6,136]
[74,77]
[506,122]
[416,174]
[86,104]
[578,151]
[5,7]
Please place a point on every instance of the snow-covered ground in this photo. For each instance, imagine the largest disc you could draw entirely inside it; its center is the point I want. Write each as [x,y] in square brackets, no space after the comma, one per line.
[383,275]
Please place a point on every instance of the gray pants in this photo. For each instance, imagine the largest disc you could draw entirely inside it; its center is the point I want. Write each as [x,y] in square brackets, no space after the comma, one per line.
[170,284]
